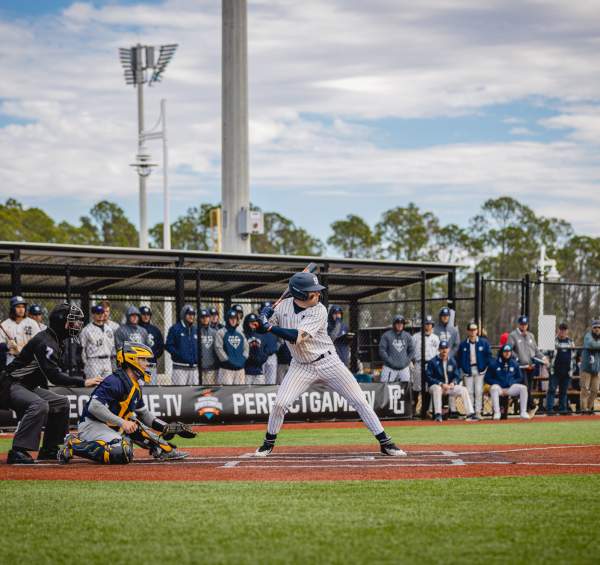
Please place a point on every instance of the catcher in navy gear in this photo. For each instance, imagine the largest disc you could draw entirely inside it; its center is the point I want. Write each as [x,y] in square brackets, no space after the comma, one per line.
[115,417]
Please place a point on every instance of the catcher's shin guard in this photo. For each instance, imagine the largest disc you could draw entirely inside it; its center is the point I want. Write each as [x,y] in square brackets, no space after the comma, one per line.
[117,452]
[147,438]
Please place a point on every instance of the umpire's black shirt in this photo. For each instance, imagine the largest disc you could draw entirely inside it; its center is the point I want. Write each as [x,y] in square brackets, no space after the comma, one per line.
[38,363]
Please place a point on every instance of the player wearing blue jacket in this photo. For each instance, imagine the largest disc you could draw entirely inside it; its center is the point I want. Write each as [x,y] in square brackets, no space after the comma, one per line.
[257,351]
[115,416]
[443,377]
[232,349]
[182,344]
[474,357]
[505,379]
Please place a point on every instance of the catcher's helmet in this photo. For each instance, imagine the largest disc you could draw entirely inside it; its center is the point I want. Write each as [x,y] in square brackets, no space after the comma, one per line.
[130,354]
[302,283]
[66,320]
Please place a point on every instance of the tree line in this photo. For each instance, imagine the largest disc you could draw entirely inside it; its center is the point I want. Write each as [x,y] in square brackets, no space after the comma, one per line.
[501,241]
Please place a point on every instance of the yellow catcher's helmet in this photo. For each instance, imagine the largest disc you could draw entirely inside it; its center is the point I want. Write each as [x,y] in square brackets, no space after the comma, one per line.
[129,356]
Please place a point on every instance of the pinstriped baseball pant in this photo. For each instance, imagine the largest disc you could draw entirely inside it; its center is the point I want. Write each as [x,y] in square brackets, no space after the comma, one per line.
[330,372]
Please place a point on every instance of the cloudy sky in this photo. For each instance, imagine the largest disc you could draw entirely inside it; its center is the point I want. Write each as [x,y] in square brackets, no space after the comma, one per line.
[355,106]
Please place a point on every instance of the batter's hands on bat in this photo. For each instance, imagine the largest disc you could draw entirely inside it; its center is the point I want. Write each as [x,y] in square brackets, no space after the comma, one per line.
[267,311]
[265,326]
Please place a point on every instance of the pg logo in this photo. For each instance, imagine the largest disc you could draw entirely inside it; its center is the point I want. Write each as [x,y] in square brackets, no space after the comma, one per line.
[234,341]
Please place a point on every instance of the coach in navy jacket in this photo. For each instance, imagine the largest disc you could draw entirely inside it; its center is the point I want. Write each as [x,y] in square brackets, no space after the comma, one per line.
[434,371]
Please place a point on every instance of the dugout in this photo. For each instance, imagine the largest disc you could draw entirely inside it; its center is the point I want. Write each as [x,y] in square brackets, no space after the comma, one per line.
[49,273]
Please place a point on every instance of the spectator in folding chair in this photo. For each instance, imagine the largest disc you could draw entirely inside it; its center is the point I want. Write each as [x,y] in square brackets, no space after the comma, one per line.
[474,357]
[506,379]
[443,378]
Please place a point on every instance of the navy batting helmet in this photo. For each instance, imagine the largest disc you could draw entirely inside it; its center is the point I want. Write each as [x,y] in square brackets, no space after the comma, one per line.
[303,283]
[16,300]
[35,310]
[145,310]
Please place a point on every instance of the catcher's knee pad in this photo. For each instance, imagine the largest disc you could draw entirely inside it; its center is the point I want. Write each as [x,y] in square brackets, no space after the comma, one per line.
[117,452]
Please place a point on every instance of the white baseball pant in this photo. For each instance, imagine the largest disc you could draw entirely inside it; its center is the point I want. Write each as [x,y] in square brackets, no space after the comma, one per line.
[436,393]
[514,390]
[389,375]
[231,377]
[474,383]
[270,370]
[182,376]
[97,367]
[255,379]
[331,372]
[209,377]
[281,372]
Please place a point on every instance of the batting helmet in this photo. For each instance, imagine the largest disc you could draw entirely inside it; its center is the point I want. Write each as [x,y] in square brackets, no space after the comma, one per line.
[303,283]
[35,310]
[145,310]
[16,300]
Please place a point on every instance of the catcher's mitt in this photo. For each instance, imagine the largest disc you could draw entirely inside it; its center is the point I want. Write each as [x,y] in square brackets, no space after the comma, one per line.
[178,428]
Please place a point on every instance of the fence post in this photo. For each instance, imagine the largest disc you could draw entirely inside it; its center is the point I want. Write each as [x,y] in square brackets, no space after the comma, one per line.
[15,272]
[325,293]
[527,302]
[68,291]
[354,323]
[423,314]
[179,287]
[482,310]
[477,300]
[198,327]
[452,289]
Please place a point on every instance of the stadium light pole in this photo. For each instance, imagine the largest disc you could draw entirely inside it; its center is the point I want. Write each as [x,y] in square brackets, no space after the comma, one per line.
[142,67]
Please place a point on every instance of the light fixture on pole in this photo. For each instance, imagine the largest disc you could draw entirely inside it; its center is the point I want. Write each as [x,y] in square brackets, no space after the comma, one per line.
[552,276]
[140,66]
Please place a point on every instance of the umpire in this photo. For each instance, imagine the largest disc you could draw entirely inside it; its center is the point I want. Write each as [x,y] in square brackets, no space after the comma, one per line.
[24,388]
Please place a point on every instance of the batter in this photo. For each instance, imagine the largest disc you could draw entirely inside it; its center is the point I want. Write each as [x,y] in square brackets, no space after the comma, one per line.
[302,322]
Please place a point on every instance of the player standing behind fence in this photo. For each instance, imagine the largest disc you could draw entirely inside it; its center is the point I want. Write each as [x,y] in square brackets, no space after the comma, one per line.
[182,344]
[396,350]
[97,345]
[271,344]
[302,322]
[17,330]
[155,341]
[232,349]
[209,357]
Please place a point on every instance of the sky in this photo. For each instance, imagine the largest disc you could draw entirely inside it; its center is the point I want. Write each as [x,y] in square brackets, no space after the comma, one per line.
[355,107]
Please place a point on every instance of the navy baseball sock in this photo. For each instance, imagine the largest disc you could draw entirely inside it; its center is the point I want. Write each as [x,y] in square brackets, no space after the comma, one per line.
[383,438]
[270,438]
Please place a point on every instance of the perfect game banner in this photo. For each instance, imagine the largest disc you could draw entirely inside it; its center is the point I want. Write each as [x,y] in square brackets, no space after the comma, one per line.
[226,404]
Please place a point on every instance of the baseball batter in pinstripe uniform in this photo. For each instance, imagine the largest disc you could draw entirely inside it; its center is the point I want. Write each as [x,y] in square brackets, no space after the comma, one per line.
[302,322]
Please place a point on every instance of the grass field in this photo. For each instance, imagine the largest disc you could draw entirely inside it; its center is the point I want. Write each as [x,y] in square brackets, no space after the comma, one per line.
[550,519]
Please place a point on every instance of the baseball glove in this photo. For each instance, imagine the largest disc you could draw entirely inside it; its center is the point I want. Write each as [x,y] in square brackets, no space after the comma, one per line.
[178,428]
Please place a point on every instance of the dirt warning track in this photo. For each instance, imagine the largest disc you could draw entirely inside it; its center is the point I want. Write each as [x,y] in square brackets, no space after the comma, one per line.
[330,463]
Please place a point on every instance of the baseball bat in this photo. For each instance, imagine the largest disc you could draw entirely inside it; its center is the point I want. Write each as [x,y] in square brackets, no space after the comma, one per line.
[310,268]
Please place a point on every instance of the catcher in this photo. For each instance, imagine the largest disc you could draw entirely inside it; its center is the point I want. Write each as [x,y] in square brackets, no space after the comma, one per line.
[115,417]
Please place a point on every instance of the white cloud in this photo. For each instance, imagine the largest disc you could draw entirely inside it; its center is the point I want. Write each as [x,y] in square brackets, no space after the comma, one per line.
[316,68]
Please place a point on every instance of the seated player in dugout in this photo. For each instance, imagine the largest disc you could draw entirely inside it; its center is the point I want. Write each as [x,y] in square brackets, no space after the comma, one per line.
[115,417]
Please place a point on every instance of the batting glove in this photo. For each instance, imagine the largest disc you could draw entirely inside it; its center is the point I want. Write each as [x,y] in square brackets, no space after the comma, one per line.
[267,311]
[265,325]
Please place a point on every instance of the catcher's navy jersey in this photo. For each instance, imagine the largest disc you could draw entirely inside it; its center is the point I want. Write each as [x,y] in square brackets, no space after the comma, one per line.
[121,395]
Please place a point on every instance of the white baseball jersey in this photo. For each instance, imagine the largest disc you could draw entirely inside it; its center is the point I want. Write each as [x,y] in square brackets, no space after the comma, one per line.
[432,344]
[97,341]
[313,321]
[20,332]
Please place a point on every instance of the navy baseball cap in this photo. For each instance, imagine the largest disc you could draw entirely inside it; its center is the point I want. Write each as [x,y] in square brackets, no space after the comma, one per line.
[204,313]
[445,311]
[444,344]
[145,310]
[251,318]
[523,320]
[506,347]
[98,309]
[399,318]
[428,321]
[472,326]
[238,308]
[212,311]
[232,313]
[595,323]
[563,326]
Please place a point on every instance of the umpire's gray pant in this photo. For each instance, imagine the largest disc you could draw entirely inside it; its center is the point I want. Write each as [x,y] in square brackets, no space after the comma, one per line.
[36,409]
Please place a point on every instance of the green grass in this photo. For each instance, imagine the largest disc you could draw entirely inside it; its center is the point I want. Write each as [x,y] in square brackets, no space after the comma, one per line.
[580,432]
[500,520]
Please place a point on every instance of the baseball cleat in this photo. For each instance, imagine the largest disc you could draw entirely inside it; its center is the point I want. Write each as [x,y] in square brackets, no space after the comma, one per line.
[438,418]
[525,416]
[264,450]
[497,416]
[65,451]
[392,450]
[471,418]
[174,455]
